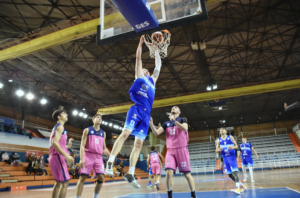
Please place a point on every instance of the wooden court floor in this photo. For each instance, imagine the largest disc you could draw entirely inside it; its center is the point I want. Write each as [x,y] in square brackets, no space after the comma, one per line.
[269,183]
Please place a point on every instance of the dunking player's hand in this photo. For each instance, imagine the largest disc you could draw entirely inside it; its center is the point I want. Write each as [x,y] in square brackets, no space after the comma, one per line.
[82,164]
[69,159]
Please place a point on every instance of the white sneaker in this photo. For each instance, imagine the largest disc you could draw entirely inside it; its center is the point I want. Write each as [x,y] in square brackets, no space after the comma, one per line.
[109,170]
[130,179]
[252,181]
[245,178]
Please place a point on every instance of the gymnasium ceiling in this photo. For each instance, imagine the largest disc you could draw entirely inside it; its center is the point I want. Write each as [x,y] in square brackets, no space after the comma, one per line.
[247,42]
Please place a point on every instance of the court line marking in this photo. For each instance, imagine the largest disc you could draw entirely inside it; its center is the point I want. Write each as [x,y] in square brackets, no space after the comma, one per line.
[293,190]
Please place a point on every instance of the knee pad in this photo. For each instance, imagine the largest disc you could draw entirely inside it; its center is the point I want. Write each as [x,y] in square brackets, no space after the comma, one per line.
[99,181]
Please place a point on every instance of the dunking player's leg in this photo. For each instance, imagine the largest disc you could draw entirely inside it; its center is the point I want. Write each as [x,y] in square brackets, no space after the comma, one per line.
[138,144]
[191,183]
[169,181]
[98,185]
[115,150]
[56,189]
[79,187]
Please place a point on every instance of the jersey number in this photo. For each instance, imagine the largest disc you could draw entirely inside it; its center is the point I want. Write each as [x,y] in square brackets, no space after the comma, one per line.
[172,131]
[183,164]
[132,123]
[154,157]
[96,140]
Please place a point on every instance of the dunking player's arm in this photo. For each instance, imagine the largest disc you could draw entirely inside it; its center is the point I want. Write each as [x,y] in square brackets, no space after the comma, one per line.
[58,132]
[155,131]
[105,150]
[82,147]
[70,143]
[138,61]
[157,67]
[148,161]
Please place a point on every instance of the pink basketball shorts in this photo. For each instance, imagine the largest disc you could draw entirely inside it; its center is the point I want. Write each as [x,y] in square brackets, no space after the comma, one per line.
[92,161]
[59,168]
[155,167]
[178,157]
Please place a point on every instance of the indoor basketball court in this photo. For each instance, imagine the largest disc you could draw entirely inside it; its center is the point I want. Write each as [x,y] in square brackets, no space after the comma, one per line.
[230,67]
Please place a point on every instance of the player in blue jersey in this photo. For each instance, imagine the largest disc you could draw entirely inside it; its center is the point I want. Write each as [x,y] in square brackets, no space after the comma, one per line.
[150,178]
[142,93]
[226,144]
[246,149]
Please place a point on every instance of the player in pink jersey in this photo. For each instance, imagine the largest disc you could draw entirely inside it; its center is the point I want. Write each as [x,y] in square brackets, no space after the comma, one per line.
[155,159]
[59,155]
[177,152]
[91,150]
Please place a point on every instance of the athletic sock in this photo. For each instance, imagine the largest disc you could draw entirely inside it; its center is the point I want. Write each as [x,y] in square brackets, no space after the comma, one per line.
[251,172]
[237,184]
[111,158]
[149,183]
[170,194]
[193,194]
[95,195]
[78,196]
[131,170]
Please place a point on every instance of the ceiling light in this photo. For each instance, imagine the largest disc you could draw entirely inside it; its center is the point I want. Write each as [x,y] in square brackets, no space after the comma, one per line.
[83,109]
[29,96]
[75,112]
[224,121]
[20,93]
[120,128]
[208,88]
[220,108]
[80,114]
[85,116]
[215,86]
[110,124]
[1,85]
[43,101]
[116,126]
[10,80]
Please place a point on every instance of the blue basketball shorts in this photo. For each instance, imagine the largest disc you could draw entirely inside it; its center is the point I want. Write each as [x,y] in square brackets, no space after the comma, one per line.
[247,161]
[150,171]
[230,164]
[137,121]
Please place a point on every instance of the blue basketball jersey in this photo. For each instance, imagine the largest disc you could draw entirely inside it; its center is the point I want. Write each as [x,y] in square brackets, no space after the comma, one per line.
[246,149]
[142,92]
[224,144]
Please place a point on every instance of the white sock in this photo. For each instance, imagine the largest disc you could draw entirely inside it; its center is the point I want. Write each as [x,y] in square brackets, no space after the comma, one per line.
[251,172]
[131,170]
[95,195]
[78,196]
[111,158]
[157,182]
[237,184]
[244,171]
[241,183]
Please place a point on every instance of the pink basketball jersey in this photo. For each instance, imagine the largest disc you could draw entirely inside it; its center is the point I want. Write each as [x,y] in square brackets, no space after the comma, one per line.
[95,141]
[62,141]
[154,157]
[175,137]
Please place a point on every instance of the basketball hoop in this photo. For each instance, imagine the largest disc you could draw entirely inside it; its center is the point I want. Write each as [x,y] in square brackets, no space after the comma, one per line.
[158,41]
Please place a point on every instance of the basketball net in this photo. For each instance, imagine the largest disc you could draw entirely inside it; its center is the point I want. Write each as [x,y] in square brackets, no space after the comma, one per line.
[159,45]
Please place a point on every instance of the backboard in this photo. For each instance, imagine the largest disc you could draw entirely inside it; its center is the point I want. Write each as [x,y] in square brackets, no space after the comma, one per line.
[169,13]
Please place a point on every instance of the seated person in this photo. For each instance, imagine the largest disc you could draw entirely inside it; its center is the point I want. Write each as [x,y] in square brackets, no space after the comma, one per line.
[6,159]
[36,167]
[15,158]
[72,172]
[120,168]
[116,171]
[42,168]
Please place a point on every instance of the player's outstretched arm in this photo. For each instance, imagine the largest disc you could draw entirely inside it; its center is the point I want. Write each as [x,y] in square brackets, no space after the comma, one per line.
[105,150]
[157,67]
[58,132]
[155,131]
[82,147]
[138,62]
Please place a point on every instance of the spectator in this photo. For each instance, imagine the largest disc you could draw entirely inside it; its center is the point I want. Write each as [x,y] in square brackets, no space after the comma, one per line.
[116,171]
[29,168]
[16,159]
[42,159]
[72,172]
[42,168]
[120,168]
[37,169]
[6,159]
[30,157]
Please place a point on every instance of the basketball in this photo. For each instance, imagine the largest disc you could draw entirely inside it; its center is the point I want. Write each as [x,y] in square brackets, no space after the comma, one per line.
[157,37]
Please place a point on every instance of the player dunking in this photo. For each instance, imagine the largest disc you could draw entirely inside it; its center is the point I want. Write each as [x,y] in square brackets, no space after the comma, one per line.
[142,93]
[155,159]
[59,154]
[177,154]
[227,145]
[91,150]
[246,149]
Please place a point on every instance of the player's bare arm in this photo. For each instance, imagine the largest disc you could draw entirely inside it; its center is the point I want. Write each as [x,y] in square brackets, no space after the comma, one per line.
[155,131]
[234,142]
[148,160]
[58,132]
[138,62]
[105,150]
[157,67]
[82,147]
[70,143]
[161,158]
[255,153]
[218,149]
